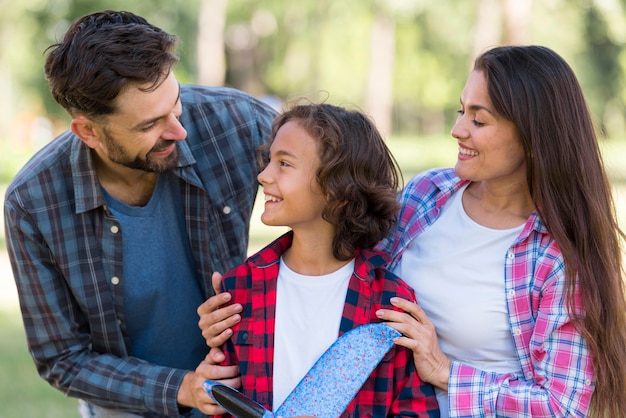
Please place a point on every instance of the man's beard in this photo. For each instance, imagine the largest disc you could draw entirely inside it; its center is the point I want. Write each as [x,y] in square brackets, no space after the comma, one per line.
[118,155]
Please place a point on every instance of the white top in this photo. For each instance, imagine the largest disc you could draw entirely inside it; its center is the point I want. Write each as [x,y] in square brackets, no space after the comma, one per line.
[456,268]
[308,315]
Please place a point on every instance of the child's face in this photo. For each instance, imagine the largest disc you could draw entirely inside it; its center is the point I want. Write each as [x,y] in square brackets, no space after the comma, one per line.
[292,195]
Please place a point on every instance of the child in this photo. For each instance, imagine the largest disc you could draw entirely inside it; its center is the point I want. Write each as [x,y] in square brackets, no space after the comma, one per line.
[332,180]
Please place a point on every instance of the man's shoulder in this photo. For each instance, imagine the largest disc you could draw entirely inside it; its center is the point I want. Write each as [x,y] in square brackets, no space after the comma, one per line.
[198,94]
[219,109]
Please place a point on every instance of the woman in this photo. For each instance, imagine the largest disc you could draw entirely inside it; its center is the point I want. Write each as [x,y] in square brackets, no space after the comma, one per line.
[514,255]
[528,197]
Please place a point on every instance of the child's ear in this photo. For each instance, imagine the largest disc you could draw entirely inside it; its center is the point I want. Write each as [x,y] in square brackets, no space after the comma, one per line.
[85,129]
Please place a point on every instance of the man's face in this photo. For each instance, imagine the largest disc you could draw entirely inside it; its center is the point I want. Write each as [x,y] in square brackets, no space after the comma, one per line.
[143,132]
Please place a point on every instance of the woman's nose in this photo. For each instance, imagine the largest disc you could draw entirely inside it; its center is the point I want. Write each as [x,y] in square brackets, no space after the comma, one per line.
[458,130]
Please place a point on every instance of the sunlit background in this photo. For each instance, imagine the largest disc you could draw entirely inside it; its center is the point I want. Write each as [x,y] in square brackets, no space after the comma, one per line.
[404,62]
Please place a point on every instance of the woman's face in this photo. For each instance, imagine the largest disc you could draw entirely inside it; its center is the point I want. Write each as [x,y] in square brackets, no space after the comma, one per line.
[489,147]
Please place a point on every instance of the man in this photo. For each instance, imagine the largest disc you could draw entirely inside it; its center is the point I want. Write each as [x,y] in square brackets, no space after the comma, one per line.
[115,227]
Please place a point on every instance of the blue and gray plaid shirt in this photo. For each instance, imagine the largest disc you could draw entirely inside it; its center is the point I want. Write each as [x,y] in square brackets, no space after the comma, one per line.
[66,250]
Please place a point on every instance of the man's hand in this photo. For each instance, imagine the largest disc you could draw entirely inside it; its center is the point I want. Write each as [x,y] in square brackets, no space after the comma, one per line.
[192,393]
[215,322]
[216,281]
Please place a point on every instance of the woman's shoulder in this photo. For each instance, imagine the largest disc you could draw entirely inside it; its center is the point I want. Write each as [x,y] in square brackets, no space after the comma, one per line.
[434,178]
[426,188]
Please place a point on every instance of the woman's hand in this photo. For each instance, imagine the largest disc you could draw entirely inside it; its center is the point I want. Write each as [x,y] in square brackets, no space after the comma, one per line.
[419,336]
[215,322]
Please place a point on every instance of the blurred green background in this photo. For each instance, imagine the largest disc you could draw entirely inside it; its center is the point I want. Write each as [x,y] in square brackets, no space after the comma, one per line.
[402,61]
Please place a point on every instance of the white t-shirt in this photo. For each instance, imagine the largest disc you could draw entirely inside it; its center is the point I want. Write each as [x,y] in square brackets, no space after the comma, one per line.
[308,315]
[456,268]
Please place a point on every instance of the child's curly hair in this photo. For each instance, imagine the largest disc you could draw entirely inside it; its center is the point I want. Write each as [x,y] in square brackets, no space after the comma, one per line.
[358,174]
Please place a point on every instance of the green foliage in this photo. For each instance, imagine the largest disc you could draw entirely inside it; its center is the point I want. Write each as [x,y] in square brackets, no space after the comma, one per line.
[321,48]
[11,160]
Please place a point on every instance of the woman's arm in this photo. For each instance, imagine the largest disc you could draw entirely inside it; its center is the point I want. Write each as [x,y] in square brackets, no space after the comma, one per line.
[559,372]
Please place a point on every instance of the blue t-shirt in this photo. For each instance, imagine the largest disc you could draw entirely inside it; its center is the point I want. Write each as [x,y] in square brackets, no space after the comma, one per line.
[160,283]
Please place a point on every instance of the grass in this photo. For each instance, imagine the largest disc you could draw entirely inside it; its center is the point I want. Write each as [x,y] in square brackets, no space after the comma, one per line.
[24,394]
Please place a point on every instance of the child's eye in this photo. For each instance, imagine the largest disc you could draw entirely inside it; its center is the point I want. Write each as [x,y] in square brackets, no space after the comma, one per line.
[283,163]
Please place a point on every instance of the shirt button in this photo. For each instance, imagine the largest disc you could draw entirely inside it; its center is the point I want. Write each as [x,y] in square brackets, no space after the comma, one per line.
[115,229]
[518,331]
[115,280]
[529,375]
[511,293]
[226,210]
[588,382]
[510,255]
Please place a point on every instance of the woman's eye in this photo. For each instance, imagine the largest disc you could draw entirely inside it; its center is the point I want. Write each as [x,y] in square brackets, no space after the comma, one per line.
[477,123]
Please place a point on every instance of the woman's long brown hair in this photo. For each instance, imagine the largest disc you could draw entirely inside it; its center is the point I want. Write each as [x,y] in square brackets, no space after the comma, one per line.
[536,89]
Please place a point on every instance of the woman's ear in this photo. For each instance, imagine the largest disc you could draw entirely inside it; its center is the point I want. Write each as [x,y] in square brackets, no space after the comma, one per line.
[84,128]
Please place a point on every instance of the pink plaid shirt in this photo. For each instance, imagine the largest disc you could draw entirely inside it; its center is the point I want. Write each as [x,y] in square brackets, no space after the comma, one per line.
[558,376]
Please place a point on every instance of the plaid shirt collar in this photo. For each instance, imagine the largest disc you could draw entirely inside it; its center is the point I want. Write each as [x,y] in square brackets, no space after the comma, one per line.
[366,260]
[85,179]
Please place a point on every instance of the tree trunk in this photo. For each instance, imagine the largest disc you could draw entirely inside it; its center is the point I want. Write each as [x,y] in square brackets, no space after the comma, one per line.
[517,15]
[487,32]
[379,92]
[210,43]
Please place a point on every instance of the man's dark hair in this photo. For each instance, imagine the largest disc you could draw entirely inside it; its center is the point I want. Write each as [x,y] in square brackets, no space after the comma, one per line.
[104,53]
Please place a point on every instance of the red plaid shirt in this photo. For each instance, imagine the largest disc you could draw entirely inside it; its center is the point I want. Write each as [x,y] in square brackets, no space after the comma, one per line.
[393,389]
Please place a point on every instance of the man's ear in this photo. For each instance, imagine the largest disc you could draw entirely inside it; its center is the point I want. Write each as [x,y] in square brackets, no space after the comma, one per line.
[85,129]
